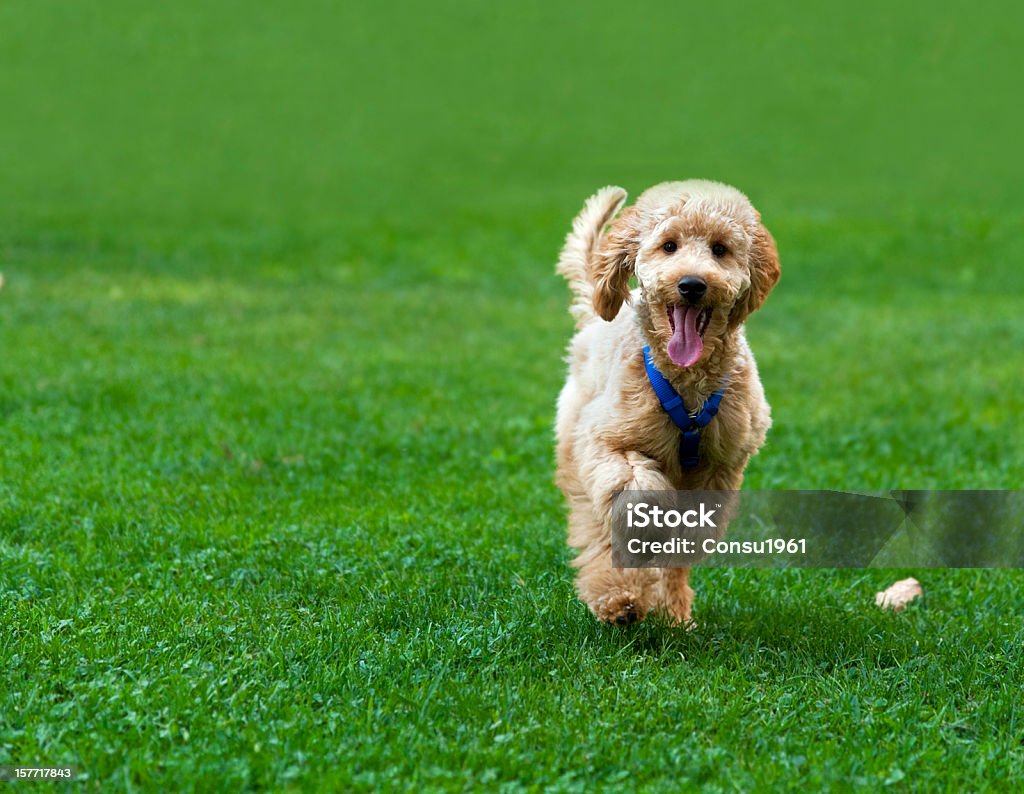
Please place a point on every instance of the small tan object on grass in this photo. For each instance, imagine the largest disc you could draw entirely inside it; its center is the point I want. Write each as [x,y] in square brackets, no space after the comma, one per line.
[899,594]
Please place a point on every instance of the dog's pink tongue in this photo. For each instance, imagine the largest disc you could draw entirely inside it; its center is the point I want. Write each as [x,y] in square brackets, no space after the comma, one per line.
[685,346]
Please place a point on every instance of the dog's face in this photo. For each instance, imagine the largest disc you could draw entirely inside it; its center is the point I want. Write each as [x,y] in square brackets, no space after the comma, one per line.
[702,259]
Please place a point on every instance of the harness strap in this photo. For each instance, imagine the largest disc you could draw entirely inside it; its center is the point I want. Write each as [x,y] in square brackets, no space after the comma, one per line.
[689,426]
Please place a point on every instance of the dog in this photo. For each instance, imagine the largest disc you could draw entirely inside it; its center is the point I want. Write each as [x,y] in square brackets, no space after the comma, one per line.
[703,262]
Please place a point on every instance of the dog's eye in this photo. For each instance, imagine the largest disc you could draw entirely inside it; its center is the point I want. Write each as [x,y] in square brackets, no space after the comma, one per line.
[669,247]
[719,250]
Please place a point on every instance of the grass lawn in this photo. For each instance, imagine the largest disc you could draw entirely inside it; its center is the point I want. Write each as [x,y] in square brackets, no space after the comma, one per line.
[280,341]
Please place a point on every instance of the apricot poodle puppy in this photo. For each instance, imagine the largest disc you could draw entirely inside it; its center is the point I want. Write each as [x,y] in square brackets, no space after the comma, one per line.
[703,262]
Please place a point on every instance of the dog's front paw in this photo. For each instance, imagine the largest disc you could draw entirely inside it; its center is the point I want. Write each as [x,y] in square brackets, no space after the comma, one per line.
[620,608]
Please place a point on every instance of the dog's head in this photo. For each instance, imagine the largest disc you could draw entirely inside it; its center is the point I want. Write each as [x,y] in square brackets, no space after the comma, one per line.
[702,259]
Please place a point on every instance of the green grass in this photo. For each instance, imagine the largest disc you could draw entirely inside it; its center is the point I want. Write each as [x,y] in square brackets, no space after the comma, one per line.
[279,348]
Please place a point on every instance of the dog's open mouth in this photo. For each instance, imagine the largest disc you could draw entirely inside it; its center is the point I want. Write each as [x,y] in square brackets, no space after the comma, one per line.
[688,326]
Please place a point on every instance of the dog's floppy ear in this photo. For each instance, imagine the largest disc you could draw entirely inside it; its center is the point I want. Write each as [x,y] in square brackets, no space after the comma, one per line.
[764,274]
[614,262]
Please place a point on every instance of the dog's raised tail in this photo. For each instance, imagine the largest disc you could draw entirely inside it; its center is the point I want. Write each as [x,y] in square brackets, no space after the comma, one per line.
[580,246]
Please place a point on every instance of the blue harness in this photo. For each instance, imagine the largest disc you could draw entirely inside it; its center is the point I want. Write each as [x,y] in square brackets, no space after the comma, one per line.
[689,426]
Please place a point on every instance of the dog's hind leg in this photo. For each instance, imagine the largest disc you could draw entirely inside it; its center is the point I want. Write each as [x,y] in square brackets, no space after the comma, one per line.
[677,595]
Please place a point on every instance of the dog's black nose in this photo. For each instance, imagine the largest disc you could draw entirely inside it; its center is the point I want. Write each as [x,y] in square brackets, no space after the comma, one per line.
[692,288]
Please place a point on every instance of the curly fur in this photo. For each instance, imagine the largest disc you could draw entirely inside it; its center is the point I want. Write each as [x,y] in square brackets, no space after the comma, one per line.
[611,431]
